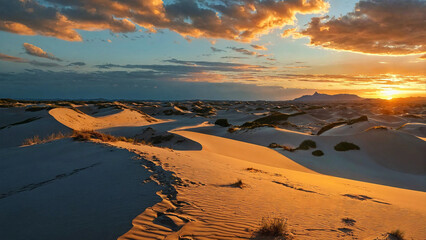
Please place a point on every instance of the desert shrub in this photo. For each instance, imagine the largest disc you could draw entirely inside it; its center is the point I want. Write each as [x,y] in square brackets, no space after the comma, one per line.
[346,146]
[287,148]
[357,120]
[274,145]
[274,227]
[276,117]
[330,126]
[305,145]
[222,122]
[348,221]
[37,140]
[397,234]
[317,153]
[253,125]
[232,129]
[87,135]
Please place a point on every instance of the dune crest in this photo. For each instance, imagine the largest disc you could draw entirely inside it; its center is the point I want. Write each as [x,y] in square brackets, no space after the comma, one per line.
[81,121]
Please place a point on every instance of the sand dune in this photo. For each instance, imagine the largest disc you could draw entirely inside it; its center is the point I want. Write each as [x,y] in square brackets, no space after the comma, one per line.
[83,190]
[80,121]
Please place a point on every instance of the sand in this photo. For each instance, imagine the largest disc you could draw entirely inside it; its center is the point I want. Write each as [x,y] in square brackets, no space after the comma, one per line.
[182,188]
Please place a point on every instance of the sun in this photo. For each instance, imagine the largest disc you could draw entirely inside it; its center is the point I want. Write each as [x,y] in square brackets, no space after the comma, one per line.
[388,93]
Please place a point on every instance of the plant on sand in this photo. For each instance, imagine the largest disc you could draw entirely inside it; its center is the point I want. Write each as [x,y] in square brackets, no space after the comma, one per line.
[275,227]
[397,234]
[346,146]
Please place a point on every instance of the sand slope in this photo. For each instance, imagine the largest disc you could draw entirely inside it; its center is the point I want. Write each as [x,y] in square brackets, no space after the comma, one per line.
[80,121]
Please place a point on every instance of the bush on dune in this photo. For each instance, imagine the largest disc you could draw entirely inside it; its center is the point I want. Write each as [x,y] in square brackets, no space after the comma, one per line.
[222,122]
[397,234]
[274,227]
[346,146]
[317,153]
[37,140]
[305,145]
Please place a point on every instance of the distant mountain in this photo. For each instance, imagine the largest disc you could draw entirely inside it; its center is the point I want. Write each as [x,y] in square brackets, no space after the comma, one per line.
[318,97]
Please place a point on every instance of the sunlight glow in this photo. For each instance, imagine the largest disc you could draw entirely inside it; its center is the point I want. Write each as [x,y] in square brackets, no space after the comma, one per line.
[388,93]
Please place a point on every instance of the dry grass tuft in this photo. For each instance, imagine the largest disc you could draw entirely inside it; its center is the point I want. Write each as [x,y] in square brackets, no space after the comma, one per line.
[397,234]
[87,135]
[37,140]
[275,227]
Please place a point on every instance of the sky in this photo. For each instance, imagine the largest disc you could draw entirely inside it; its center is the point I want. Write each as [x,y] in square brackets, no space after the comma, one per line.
[211,49]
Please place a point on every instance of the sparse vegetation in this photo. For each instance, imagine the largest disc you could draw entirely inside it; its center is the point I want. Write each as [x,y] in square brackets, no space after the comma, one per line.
[357,120]
[305,145]
[397,234]
[222,122]
[348,221]
[317,153]
[346,146]
[348,122]
[232,129]
[275,227]
[330,126]
[161,138]
[37,140]
[274,145]
[87,135]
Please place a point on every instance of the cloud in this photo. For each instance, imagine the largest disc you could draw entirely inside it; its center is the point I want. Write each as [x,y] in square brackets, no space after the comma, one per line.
[77,64]
[38,52]
[240,20]
[243,51]
[258,47]
[8,58]
[183,68]
[385,27]
[139,85]
[217,49]
[423,56]
[4,57]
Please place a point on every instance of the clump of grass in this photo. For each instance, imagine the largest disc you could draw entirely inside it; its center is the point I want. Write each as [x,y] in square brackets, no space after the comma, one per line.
[287,148]
[275,227]
[346,146]
[348,221]
[397,234]
[37,140]
[317,153]
[305,145]
[274,145]
[232,129]
[223,122]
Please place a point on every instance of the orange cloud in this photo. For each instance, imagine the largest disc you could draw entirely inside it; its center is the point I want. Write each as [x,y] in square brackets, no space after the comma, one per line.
[38,52]
[385,27]
[258,47]
[238,20]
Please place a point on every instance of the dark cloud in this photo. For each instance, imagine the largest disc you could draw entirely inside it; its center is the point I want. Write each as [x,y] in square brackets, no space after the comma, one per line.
[240,20]
[140,85]
[38,52]
[243,51]
[4,57]
[217,49]
[391,27]
[8,58]
[76,64]
[258,47]
[186,67]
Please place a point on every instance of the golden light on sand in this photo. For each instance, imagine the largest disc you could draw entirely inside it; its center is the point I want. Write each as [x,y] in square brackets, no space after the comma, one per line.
[388,93]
